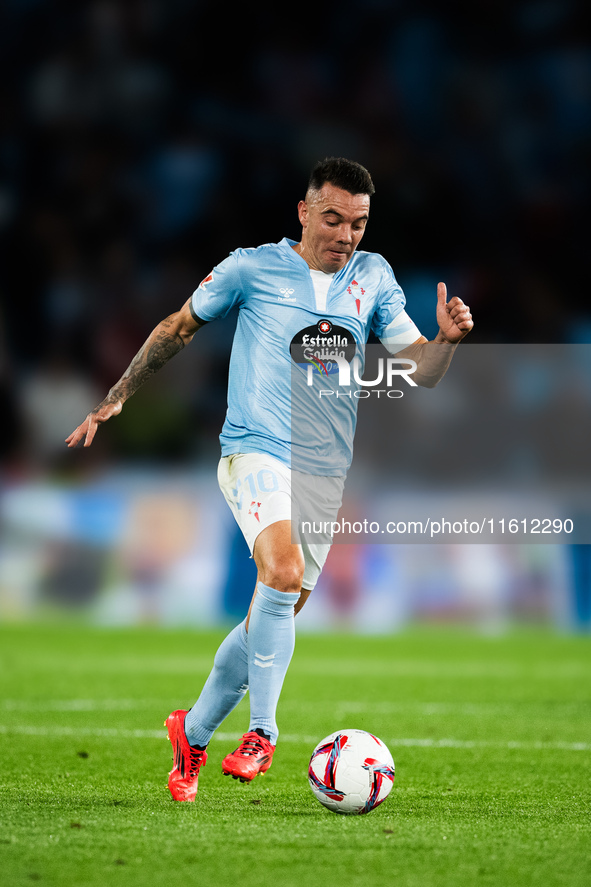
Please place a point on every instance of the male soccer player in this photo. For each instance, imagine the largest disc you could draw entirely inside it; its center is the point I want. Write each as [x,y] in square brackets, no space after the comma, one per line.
[282,290]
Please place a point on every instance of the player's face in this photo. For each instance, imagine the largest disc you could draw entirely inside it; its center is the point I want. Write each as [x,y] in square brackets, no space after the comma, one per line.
[333,223]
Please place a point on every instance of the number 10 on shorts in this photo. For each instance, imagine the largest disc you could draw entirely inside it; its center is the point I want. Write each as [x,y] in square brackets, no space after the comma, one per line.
[265,481]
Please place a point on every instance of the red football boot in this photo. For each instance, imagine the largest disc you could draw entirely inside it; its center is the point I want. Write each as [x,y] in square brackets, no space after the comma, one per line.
[254,755]
[183,778]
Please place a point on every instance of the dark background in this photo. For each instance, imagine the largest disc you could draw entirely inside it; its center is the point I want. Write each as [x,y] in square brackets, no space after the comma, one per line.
[142,141]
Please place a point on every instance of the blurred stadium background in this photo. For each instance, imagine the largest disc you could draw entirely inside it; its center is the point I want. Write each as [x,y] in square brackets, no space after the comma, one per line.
[140,142]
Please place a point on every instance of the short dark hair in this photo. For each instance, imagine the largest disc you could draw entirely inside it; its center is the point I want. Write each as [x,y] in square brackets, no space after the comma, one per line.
[342,173]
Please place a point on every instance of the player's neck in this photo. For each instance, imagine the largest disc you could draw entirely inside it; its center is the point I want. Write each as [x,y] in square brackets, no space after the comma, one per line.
[299,249]
[313,266]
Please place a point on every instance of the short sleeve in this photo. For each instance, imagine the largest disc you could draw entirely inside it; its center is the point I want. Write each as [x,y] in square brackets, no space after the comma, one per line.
[219,292]
[390,303]
[390,322]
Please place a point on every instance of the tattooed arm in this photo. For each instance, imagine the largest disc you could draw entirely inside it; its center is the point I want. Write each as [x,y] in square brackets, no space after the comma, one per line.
[167,339]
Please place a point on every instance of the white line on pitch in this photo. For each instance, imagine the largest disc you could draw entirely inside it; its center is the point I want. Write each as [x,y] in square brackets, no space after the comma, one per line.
[339,667]
[342,709]
[80,704]
[121,733]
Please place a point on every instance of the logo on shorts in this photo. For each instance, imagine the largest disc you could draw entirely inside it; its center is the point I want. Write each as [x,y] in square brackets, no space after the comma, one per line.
[254,509]
[320,345]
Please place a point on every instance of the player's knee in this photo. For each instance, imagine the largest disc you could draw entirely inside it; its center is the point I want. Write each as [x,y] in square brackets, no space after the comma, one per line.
[284,574]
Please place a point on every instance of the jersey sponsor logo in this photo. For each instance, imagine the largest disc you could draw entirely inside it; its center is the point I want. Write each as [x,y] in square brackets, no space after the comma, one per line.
[355,290]
[205,281]
[320,345]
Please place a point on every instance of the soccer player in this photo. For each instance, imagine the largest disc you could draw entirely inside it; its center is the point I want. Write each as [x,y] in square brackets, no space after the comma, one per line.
[281,290]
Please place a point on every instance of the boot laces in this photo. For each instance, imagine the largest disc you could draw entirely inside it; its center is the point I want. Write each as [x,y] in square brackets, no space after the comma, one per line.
[196,759]
[252,744]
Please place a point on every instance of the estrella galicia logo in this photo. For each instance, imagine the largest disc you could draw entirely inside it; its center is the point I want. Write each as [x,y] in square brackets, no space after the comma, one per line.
[319,345]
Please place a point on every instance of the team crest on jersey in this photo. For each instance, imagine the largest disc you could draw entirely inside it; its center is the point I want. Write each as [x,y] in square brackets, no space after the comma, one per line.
[355,290]
[205,281]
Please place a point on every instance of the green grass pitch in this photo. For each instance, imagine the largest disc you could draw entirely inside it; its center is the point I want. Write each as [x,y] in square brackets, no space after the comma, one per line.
[491,739]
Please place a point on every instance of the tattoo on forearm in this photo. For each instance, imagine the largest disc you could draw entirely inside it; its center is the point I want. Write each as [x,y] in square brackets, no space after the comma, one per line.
[151,357]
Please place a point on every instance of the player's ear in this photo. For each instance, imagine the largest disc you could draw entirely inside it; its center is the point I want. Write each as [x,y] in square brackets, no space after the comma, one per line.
[303,213]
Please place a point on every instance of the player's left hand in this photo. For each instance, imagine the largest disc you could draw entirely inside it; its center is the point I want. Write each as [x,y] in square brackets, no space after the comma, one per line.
[453,317]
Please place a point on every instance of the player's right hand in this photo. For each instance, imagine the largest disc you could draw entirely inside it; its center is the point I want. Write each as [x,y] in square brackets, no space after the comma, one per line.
[87,429]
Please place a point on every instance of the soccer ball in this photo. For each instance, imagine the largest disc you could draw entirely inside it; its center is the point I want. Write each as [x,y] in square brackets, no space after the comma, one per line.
[351,771]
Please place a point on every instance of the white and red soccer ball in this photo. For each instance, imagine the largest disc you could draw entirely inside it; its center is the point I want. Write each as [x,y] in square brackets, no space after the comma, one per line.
[351,771]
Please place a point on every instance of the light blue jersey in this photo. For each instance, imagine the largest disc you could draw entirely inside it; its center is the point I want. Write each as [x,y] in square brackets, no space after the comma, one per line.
[278,313]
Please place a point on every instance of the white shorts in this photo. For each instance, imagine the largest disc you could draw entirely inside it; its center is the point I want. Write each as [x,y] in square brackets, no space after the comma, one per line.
[258,490]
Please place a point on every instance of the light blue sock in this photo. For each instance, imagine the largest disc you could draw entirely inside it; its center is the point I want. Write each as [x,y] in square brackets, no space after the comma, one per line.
[223,690]
[271,641]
